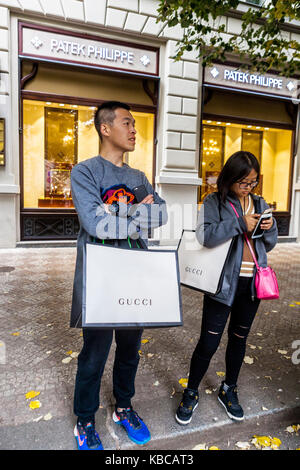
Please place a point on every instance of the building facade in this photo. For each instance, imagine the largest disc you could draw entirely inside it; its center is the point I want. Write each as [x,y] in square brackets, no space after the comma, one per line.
[60,59]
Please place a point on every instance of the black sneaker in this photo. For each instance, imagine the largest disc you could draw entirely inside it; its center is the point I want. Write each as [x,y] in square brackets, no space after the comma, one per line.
[187,405]
[230,402]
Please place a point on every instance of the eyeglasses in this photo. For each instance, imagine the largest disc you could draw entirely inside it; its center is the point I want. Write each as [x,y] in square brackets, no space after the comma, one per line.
[245,184]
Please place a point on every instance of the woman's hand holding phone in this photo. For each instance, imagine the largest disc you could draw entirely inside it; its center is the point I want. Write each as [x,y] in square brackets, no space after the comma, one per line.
[266,223]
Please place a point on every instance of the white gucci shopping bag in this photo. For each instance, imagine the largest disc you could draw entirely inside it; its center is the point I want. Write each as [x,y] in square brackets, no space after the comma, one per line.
[200,267]
[130,288]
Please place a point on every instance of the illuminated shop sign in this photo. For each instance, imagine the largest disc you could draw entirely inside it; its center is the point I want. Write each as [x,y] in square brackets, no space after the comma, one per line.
[89,50]
[269,83]
[254,79]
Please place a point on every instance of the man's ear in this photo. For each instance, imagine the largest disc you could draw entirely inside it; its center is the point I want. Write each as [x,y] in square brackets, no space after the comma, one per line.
[105,129]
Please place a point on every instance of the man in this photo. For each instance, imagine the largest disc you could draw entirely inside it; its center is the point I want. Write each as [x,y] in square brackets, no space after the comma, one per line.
[102,191]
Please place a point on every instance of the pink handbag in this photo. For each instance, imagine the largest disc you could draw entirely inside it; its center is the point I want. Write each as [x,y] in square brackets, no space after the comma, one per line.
[266,284]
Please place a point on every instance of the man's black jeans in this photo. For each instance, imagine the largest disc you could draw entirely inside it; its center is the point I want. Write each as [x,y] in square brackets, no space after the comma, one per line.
[215,315]
[91,363]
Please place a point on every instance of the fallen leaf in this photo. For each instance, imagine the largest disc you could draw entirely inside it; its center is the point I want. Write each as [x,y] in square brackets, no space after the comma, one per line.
[36,420]
[266,441]
[150,355]
[66,360]
[156,384]
[243,445]
[144,341]
[297,303]
[74,354]
[251,346]
[208,391]
[282,351]
[32,394]
[259,334]
[293,428]
[292,305]
[214,448]
[35,404]
[69,352]
[183,382]
[200,447]
[16,334]
[275,443]
[173,392]
[47,417]
[264,408]
[220,374]
[248,360]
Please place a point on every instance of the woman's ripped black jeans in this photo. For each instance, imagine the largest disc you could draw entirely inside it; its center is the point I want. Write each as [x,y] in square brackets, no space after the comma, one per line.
[215,315]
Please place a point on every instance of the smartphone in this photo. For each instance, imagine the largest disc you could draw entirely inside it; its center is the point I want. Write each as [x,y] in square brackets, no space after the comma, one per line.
[258,231]
[140,192]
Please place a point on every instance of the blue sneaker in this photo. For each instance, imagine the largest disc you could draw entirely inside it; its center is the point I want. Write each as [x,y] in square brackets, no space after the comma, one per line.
[136,429]
[86,436]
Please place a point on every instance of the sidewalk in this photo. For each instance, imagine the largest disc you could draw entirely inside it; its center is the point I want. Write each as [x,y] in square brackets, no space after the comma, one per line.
[38,352]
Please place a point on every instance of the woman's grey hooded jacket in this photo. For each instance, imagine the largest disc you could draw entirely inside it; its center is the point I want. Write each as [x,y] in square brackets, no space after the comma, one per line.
[217,223]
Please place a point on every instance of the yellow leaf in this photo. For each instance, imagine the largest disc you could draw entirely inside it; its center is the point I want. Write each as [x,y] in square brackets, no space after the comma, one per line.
[297,303]
[266,441]
[69,352]
[16,334]
[261,441]
[275,443]
[221,374]
[183,382]
[214,448]
[292,305]
[144,341]
[293,428]
[32,394]
[35,404]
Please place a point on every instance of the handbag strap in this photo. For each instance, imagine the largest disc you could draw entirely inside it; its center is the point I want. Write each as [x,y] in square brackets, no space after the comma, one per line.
[246,237]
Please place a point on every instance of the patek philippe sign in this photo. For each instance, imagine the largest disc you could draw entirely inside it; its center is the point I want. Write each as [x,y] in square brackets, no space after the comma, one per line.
[88,50]
[232,77]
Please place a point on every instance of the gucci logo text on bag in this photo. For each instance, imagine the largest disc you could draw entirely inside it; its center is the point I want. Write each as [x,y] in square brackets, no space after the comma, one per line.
[196,271]
[145,302]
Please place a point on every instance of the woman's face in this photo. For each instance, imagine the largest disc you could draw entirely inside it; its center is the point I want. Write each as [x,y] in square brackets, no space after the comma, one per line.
[244,186]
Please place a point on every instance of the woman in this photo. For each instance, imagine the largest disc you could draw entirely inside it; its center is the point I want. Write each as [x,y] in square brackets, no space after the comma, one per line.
[218,223]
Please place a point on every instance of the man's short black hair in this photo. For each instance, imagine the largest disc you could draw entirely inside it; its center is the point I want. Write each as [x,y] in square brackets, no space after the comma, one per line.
[106,114]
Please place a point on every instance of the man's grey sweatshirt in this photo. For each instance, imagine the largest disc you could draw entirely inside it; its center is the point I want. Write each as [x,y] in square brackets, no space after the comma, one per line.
[97,181]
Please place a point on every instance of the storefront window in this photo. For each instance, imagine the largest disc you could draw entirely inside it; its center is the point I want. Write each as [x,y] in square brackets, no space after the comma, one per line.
[59,135]
[271,146]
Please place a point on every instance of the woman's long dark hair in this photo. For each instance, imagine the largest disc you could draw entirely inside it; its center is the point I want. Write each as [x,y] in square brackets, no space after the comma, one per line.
[237,167]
